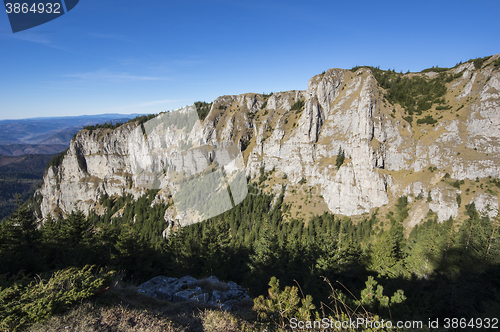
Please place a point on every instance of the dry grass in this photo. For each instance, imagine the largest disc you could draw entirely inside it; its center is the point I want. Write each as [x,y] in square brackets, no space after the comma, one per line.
[123,309]
[216,321]
[89,318]
[209,285]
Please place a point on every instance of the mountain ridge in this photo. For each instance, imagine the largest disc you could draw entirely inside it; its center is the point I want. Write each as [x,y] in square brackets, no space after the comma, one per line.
[391,146]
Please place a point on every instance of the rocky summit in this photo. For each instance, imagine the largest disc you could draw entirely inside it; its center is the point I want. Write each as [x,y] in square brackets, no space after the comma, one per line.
[354,141]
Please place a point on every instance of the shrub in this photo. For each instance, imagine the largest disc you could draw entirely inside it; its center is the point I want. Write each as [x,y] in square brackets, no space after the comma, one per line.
[280,306]
[478,63]
[372,298]
[414,94]
[340,158]
[24,305]
[434,69]
[244,144]
[203,108]
[298,105]
[428,119]
[56,160]
[262,176]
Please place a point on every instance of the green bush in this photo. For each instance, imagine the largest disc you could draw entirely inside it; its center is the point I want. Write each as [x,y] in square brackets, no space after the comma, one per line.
[428,119]
[262,176]
[478,62]
[434,69]
[373,298]
[24,305]
[298,105]
[281,306]
[340,158]
[56,160]
[415,94]
[203,108]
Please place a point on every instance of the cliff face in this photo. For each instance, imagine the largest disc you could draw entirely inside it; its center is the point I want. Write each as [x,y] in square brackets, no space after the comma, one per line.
[296,137]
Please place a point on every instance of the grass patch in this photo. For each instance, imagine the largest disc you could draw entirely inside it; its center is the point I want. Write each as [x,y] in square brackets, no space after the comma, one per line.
[210,285]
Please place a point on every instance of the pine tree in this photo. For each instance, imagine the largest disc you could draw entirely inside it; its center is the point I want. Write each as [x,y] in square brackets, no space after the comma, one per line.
[340,158]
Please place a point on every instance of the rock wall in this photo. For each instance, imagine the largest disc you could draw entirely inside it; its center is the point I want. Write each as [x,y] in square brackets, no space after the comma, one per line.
[342,110]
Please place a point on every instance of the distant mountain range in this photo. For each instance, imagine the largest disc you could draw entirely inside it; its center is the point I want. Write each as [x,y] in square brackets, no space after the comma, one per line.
[19,175]
[47,135]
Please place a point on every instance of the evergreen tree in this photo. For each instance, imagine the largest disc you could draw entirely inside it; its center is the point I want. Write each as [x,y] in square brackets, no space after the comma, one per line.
[340,158]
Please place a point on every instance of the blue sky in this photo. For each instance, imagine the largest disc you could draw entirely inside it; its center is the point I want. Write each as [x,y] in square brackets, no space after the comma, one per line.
[148,56]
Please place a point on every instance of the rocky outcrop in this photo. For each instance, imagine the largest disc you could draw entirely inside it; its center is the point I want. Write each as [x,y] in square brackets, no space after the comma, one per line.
[208,291]
[298,134]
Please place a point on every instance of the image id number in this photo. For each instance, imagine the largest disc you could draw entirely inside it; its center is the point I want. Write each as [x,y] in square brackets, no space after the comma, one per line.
[39,8]
[485,323]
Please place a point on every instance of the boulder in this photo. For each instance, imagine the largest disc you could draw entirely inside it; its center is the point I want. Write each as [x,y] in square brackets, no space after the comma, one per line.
[187,289]
[164,288]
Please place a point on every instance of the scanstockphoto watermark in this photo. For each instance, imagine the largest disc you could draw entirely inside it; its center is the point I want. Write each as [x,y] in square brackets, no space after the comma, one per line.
[358,323]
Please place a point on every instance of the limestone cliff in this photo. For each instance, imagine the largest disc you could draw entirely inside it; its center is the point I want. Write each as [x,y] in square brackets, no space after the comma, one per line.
[295,138]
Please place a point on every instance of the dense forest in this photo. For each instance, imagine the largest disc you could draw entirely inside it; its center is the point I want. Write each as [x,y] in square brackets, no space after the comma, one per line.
[19,177]
[440,270]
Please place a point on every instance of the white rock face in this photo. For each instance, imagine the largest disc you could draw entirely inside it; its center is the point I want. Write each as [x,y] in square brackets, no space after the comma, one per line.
[486,204]
[342,110]
[444,202]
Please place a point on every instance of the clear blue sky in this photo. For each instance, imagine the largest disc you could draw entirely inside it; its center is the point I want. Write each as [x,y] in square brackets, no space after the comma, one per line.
[147,56]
